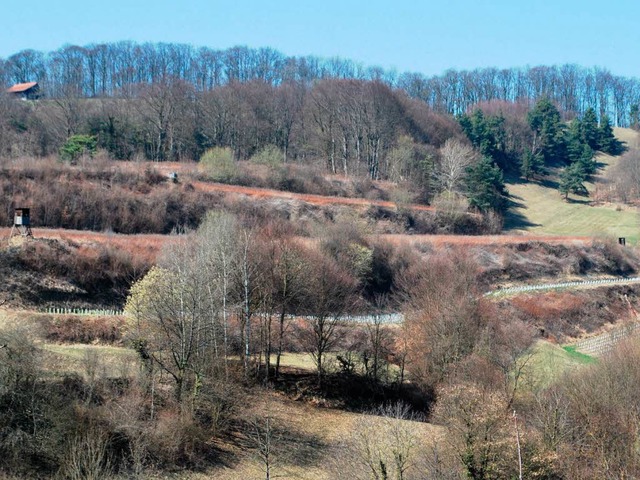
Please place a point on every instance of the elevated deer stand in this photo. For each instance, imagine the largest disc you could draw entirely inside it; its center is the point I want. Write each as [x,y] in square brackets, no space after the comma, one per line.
[21,224]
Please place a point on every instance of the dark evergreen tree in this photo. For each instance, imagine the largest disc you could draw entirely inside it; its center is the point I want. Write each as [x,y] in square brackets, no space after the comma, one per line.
[548,140]
[485,186]
[572,180]
[487,134]
[532,165]
[607,141]
[586,161]
[589,128]
[574,141]
[473,126]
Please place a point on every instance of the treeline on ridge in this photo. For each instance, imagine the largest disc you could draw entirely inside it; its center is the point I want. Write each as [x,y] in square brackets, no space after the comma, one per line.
[116,69]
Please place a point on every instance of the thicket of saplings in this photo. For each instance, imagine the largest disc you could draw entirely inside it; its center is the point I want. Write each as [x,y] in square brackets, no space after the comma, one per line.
[208,325]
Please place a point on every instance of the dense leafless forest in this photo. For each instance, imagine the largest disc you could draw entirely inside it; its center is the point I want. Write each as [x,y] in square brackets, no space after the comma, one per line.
[116,69]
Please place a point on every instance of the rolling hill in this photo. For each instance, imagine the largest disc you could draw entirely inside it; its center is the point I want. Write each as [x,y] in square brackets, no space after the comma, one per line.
[538,208]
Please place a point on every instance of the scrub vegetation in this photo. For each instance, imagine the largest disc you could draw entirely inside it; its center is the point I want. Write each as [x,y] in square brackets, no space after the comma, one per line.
[258,266]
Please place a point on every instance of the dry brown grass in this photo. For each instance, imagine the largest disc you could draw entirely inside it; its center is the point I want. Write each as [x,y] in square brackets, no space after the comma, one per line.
[142,246]
[108,361]
[570,315]
[190,170]
[302,197]
[443,240]
[548,306]
[314,440]
[147,246]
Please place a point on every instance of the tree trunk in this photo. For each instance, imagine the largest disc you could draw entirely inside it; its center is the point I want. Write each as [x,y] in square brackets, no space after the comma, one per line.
[268,352]
[280,340]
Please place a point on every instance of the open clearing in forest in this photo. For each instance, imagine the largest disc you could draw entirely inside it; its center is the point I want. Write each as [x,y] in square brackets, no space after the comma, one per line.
[311,440]
[549,361]
[87,360]
[471,240]
[303,197]
[540,209]
[189,169]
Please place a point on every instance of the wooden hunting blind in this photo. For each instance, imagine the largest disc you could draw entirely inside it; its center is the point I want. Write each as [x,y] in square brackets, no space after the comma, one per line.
[21,223]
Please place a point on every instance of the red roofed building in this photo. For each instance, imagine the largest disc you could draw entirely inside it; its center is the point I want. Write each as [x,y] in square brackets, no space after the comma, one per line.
[26,91]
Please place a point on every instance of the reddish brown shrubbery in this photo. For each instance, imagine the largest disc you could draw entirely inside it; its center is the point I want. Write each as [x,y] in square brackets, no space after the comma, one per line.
[128,199]
[571,314]
[535,259]
[100,198]
[81,329]
[104,272]
[550,305]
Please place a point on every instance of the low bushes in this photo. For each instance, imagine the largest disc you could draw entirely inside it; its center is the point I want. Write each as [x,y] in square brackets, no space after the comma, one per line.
[81,329]
[103,272]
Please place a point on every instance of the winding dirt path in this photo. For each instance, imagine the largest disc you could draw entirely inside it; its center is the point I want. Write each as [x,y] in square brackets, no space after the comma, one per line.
[188,169]
[303,197]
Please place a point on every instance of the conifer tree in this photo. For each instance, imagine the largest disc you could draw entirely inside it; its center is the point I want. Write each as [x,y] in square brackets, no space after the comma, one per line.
[487,134]
[589,128]
[586,161]
[485,186]
[575,141]
[548,140]
[532,165]
[607,141]
[572,180]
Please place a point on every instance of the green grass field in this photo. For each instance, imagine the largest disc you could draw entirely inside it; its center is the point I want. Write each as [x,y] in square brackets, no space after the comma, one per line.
[574,355]
[540,209]
[550,361]
[82,359]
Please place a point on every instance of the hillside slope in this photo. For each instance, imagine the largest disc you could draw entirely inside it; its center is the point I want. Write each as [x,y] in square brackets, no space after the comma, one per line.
[540,209]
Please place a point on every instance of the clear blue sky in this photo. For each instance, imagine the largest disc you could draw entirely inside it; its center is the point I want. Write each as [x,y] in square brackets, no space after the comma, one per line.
[423,36]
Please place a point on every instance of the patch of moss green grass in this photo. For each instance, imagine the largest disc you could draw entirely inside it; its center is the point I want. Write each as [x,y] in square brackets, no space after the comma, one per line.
[550,361]
[578,357]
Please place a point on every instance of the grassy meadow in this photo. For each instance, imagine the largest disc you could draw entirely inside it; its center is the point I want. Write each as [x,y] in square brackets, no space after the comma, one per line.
[540,209]
[549,361]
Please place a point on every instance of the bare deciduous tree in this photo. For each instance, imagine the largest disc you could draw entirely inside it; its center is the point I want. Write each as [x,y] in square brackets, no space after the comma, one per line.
[444,319]
[218,253]
[330,295]
[168,310]
[386,444]
[455,157]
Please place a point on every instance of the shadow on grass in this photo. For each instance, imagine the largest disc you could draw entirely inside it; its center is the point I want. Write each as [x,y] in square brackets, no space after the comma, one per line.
[600,165]
[515,201]
[516,220]
[578,201]
[543,181]
[548,183]
[289,445]
[515,179]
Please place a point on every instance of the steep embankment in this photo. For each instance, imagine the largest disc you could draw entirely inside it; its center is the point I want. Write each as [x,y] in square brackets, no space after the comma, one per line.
[540,209]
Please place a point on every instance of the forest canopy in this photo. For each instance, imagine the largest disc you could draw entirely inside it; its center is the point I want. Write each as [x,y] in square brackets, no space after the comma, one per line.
[116,69]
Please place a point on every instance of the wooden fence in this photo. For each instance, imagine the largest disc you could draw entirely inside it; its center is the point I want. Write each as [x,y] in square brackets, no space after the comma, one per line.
[605,342]
[83,311]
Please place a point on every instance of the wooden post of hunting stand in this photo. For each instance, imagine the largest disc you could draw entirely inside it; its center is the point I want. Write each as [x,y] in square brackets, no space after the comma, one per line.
[21,224]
